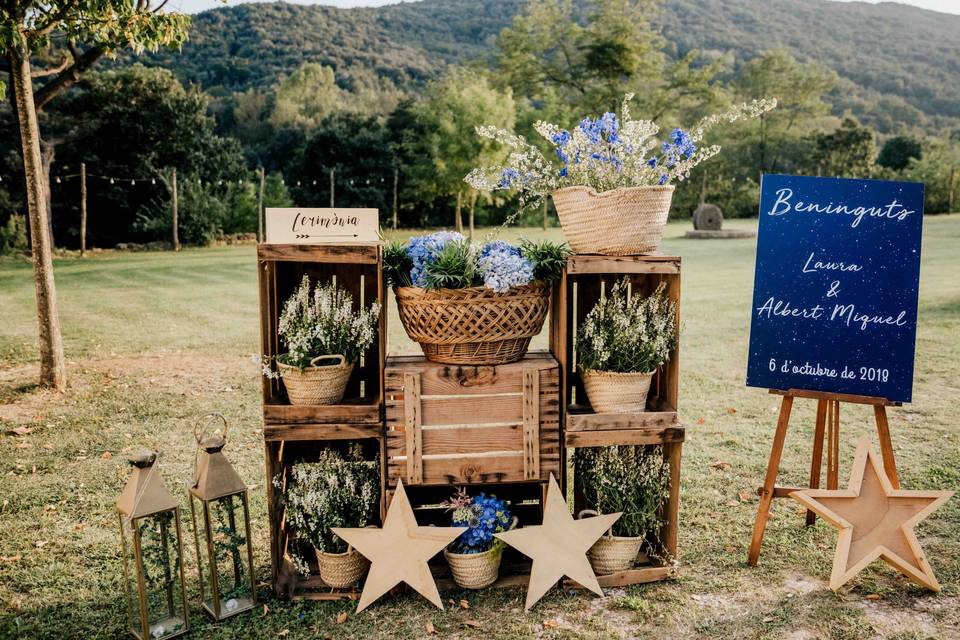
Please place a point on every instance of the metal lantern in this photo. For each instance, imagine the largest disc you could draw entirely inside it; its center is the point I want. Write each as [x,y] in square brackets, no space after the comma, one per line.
[219,497]
[152,553]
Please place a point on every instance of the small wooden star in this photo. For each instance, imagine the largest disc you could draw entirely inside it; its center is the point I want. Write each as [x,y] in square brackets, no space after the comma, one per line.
[399,551]
[559,546]
[875,521]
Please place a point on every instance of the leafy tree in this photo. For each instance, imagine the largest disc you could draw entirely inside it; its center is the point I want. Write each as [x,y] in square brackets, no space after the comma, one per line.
[27,27]
[898,151]
[848,152]
[939,170]
[447,145]
[800,89]
[308,96]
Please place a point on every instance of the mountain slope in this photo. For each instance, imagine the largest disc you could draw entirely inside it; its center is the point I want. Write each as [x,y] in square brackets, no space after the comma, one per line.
[898,64]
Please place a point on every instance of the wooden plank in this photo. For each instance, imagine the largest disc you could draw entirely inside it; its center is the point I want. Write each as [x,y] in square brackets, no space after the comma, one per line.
[275,432]
[363,412]
[471,439]
[671,529]
[474,469]
[412,423]
[671,369]
[614,421]
[439,379]
[665,435]
[348,253]
[531,424]
[641,575]
[596,264]
[841,397]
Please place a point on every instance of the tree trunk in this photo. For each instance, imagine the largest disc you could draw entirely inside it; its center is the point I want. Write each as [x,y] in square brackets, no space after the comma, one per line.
[52,367]
[260,220]
[173,204]
[473,207]
[458,216]
[396,182]
[951,190]
[83,208]
[545,214]
[48,151]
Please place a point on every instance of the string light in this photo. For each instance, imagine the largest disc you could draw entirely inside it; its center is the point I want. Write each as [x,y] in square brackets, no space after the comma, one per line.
[133,183]
[58,179]
[111,180]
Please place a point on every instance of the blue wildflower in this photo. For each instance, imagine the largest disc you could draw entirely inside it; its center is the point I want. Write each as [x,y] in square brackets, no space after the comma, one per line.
[508,177]
[563,172]
[609,124]
[652,162]
[663,179]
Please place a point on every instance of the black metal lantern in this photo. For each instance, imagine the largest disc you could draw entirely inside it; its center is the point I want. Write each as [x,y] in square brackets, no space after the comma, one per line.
[152,548]
[219,497]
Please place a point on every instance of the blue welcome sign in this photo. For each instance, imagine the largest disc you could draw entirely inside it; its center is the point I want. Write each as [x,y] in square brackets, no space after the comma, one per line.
[835,290]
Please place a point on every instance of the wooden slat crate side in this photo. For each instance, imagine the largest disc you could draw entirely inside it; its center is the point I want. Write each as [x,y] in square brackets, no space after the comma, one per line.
[347,253]
[477,436]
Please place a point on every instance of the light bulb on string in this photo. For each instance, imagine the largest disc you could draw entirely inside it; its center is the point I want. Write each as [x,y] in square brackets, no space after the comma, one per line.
[58,179]
[351,183]
[314,183]
[153,181]
[133,183]
[240,181]
[282,182]
[368,180]
[111,180]
[298,183]
[219,182]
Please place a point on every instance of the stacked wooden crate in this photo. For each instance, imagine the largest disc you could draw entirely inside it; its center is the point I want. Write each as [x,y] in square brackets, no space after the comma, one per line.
[585,280]
[297,433]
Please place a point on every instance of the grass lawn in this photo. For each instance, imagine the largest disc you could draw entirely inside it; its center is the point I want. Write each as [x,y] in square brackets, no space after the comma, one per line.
[155,340]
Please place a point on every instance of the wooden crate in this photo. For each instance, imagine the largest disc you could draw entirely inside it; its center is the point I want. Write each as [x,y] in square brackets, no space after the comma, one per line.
[452,424]
[280,456]
[354,267]
[585,279]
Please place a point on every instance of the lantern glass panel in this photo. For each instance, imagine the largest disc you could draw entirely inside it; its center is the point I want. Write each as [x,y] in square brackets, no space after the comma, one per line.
[157,535]
[228,537]
[131,568]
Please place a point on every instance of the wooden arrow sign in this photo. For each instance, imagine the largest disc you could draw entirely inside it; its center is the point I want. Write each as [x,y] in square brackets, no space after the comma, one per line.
[321,226]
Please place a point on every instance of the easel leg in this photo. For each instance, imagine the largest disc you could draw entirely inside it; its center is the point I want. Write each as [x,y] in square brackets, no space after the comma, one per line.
[833,444]
[886,446]
[763,514]
[817,464]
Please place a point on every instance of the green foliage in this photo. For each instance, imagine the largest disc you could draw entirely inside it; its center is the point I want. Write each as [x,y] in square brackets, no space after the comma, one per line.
[13,235]
[548,258]
[898,151]
[631,479]
[338,490]
[397,263]
[454,267]
[229,547]
[627,333]
[847,152]
[200,214]
[939,170]
[324,323]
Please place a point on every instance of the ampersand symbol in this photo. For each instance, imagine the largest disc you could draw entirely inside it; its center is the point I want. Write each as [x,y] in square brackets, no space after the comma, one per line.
[834,289]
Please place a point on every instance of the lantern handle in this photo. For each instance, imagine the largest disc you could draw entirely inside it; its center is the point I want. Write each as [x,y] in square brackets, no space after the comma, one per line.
[199,429]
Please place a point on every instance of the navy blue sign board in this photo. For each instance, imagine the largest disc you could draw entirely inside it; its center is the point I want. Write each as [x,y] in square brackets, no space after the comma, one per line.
[835,289]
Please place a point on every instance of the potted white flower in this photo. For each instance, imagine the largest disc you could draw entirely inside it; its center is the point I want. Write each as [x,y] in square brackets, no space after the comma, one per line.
[621,343]
[633,480]
[324,338]
[612,179]
[338,490]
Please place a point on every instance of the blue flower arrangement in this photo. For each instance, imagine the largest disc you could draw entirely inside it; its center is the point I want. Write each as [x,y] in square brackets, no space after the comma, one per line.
[604,153]
[483,515]
[447,260]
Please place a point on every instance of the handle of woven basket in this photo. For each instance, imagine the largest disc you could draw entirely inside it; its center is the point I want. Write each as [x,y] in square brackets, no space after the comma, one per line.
[513,523]
[592,513]
[334,356]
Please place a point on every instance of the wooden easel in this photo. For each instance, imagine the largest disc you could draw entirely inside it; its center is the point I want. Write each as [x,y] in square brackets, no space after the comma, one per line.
[827,426]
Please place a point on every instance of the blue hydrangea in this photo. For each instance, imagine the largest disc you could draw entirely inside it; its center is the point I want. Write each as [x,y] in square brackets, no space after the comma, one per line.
[483,516]
[502,266]
[424,249]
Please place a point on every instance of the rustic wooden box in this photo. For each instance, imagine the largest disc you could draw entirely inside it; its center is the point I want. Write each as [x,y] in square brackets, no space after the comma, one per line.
[453,424]
[585,280]
[280,456]
[354,267]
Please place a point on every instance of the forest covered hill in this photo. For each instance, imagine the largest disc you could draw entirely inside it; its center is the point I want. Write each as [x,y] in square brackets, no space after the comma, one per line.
[899,66]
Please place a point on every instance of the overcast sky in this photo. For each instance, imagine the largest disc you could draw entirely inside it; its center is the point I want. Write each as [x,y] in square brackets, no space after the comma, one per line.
[193,6]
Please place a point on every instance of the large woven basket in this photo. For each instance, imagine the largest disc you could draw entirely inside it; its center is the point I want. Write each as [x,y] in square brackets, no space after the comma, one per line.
[316,384]
[342,570]
[476,325]
[612,392]
[611,554]
[625,221]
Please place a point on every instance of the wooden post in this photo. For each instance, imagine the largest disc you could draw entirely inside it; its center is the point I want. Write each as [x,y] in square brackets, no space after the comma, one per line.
[544,214]
[83,208]
[332,189]
[458,217]
[260,208]
[951,190]
[396,182]
[173,191]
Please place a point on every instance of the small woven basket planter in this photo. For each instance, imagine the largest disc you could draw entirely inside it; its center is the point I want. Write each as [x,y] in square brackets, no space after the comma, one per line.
[613,392]
[342,570]
[622,222]
[612,554]
[316,384]
[475,570]
[476,325]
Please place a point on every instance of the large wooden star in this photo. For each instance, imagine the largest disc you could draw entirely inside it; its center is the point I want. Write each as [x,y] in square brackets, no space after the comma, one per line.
[399,551]
[875,521]
[559,546]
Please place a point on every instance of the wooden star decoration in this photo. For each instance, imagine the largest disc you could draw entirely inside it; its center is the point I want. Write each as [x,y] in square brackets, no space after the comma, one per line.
[875,521]
[399,551]
[559,546]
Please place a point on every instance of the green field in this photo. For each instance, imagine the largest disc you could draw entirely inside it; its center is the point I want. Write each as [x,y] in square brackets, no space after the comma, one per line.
[156,340]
